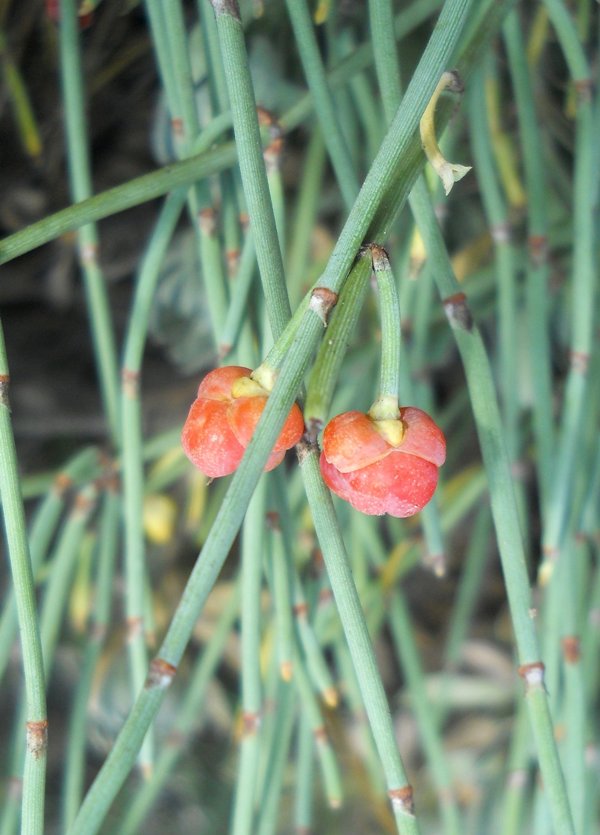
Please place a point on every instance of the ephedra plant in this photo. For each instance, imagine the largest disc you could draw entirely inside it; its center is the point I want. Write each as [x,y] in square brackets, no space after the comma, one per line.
[354,584]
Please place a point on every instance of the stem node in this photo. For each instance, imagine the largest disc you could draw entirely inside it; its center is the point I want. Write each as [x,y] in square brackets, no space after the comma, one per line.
[322,301]
[160,674]
[458,312]
[533,675]
[37,738]
[402,799]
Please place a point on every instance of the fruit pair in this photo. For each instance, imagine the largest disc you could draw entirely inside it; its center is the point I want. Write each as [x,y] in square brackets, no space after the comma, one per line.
[379,466]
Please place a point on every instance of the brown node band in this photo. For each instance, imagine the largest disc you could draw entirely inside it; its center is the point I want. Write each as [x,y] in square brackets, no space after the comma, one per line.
[325,596]
[580,361]
[82,503]
[403,798]
[273,521]
[533,673]
[538,249]
[207,221]
[571,647]
[62,482]
[130,381]
[177,126]
[380,257]
[320,734]
[250,723]
[88,254]
[550,552]
[457,311]
[160,674]
[584,88]
[134,627]
[229,7]
[232,259]
[322,302]
[37,737]
[300,610]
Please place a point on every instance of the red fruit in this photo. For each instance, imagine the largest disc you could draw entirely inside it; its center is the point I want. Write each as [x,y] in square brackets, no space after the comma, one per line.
[220,425]
[361,466]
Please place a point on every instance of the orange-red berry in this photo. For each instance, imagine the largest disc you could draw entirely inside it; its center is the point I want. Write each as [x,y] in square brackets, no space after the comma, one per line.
[360,465]
[220,425]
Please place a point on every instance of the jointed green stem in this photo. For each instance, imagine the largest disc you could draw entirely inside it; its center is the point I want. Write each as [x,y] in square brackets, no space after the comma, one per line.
[504,508]
[253,537]
[133,468]
[22,575]
[252,167]
[81,188]
[357,636]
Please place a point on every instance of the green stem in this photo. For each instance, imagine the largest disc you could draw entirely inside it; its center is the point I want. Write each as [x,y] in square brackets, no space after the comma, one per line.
[81,188]
[133,468]
[504,507]
[323,101]
[537,265]
[118,199]
[357,637]
[252,166]
[279,751]
[187,717]
[34,774]
[389,311]
[332,783]
[83,465]
[77,736]
[253,537]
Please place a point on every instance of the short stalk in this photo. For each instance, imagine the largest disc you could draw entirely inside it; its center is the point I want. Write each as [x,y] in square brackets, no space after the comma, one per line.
[386,405]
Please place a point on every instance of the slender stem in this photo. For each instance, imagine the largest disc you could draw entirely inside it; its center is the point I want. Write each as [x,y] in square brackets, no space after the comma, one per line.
[187,716]
[324,104]
[77,736]
[283,725]
[133,469]
[537,265]
[504,507]
[497,217]
[83,465]
[357,637]
[81,188]
[332,783]
[253,537]
[118,199]
[34,774]
[252,166]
